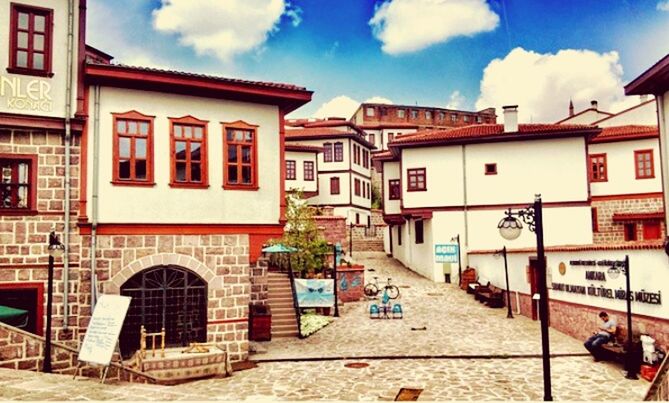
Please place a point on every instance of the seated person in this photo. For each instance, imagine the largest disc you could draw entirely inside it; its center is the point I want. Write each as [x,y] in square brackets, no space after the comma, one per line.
[607,331]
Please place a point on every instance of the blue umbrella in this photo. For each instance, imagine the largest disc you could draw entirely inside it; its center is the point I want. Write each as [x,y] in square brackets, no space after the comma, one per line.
[279,248]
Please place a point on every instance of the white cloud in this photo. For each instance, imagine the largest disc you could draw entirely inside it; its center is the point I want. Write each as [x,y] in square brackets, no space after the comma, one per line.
[410,25]
[223,28]
[542,84]
[456,100]
[344,106]
[663,5]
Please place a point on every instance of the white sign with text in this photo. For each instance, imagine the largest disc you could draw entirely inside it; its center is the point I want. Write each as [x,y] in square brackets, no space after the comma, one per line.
[104,329]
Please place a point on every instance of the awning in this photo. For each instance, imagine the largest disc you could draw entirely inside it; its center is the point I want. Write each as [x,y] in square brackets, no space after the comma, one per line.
[654,215]
[279,248]
[13,316]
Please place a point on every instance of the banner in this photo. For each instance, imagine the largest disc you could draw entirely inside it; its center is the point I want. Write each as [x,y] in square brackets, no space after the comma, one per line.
[314,293]
[446,253]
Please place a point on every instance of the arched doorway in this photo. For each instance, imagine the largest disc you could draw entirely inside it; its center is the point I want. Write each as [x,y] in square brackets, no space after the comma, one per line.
[165,296]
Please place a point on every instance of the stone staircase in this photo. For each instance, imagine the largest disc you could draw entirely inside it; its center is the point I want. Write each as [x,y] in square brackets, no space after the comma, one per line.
[280,299]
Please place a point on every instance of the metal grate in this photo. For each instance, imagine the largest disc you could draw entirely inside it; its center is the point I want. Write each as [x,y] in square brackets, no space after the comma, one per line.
[165,296]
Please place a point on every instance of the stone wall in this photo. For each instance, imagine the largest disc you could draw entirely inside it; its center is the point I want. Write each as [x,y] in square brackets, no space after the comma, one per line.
[333,228]
[221,260]
[609,231]
[259,282]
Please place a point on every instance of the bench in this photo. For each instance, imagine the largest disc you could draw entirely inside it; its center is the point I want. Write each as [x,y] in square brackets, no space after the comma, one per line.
[490,295]
[616,349]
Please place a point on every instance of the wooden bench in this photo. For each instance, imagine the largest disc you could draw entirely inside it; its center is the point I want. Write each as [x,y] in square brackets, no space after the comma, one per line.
[490,295]
[616,349]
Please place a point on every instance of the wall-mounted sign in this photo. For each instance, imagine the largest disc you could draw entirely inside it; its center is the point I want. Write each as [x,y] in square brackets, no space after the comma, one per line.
[602,262]
[446,253]
[26,94]
[643,296]
[595,275]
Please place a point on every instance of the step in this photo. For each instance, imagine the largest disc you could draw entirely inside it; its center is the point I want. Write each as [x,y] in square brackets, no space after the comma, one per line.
[274,305]
[282,311]
[279,300]
[284,334]
[273,287]
[280,292]
[284,328]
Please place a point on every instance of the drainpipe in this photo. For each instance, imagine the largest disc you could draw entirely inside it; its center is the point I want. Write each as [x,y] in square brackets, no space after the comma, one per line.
[464,202]
[94,195]
[664,156]
[68,143]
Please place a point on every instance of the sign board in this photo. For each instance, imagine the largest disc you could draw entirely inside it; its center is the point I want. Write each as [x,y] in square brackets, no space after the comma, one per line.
[314,293]
[104,329]
[446,253]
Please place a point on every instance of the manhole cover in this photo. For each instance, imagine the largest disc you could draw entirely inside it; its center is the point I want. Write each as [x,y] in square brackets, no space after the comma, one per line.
[408,395]
[356,365]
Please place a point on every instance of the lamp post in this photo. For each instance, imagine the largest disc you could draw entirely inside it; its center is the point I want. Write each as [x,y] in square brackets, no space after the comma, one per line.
[56,249]
[335,252]
[502,251]
[457,238]
[510,228]
[629,357]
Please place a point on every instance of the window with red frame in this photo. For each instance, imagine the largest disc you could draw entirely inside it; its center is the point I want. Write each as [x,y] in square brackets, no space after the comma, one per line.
[308,170]
[189,152]
[394,192]
[327,152]
[652,230]
[391,137]
[490,169]
[241,159]
[598,168]
[290,170]
[356,187]
[365,158]
[334,185]
[18,181]
[133,149]
[30,40]
[419,231]
[630,231]
[356,154]
[338,152]
[416,179]
[644,164]
[372,138]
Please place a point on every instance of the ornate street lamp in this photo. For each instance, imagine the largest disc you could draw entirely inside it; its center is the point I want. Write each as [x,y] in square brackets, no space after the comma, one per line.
[510,228]
[502,252]
[614,272]
[56,249]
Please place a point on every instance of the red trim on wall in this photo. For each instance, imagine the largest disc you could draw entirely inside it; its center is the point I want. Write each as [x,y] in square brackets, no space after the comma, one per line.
[222,321]
[182,229]
[40,300]
[421,210]
[82,93]
[630,196]
[39,122]
[83,156]
[641,245]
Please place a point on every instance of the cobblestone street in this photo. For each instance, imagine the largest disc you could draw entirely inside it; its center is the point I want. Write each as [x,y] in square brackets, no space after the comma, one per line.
[457,326]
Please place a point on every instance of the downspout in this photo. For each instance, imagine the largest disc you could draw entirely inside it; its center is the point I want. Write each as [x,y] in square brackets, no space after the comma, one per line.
[94,195]
[664,156]
[464,203]
[68,143]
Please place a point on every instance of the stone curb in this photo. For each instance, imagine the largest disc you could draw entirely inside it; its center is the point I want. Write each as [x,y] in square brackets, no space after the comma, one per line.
[418,357]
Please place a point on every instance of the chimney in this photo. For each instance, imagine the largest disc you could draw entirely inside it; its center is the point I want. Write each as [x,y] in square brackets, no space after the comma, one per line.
[571,108]
[510,118]
[593,104]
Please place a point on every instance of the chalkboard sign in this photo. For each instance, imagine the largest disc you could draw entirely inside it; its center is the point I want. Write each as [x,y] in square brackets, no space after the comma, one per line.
[104,329]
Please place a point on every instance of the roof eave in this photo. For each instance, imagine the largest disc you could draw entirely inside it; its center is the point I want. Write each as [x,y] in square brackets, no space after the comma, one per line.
[654,81]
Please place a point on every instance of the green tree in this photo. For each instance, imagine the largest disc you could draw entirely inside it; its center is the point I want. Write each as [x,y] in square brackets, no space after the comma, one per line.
[377,200]
[302,233]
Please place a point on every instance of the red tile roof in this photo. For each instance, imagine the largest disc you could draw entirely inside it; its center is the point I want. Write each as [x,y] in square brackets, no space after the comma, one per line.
[651,215]
[490,132]
[389,125]
[582,112]
[628,132]
[313,133]
[303,148]
[640,245]
[386,155]
[639,105]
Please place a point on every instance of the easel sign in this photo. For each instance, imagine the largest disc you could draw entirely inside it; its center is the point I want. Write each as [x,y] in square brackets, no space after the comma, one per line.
[103,331]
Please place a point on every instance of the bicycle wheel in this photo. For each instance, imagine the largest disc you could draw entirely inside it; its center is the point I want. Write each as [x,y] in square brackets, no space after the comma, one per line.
[371,290]
[393,291]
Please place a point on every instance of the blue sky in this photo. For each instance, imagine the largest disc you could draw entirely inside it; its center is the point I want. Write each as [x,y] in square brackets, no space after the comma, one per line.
[430,52]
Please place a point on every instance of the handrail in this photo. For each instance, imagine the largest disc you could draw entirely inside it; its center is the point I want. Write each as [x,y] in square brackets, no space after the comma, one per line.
[296,306]
[659,388]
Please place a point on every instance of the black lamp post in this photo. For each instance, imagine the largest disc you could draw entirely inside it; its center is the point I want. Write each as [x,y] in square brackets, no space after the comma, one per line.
[457,238]
[335,252]
[509,314]
[56,249]
[630,367]
[510,229]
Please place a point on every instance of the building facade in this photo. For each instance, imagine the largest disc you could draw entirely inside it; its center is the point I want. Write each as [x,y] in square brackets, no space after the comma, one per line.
[424,117]
[302,169]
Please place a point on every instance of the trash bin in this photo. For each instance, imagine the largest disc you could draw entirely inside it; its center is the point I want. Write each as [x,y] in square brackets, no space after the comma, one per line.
[648,346]
[260,323]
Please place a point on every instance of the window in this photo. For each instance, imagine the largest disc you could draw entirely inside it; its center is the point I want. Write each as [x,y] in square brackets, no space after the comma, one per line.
[384,111]
[30,42]
[308,170]
[356,186]
[630,231]
[391,136]
[291,173]
[465,118]
[598,168]
[355,154]
[442,116]
[454,117]
[416,179]
[428,115]
[241,156]
[400,113]
[369,190]
[365,158]
[327,152]
[189,152]
[652,230]
[338,152]
[369,111]
[419,231]
[595,223]
[399,235]
[414,114]
[644,164]
[372,138]
[334,185]
[478,119]
[133,149]
[394,192]
[18,183]
[491,169]
[357,218]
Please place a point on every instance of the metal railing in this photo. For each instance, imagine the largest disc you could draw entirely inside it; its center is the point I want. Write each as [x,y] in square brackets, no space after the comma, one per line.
[296,306]
[659,388]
